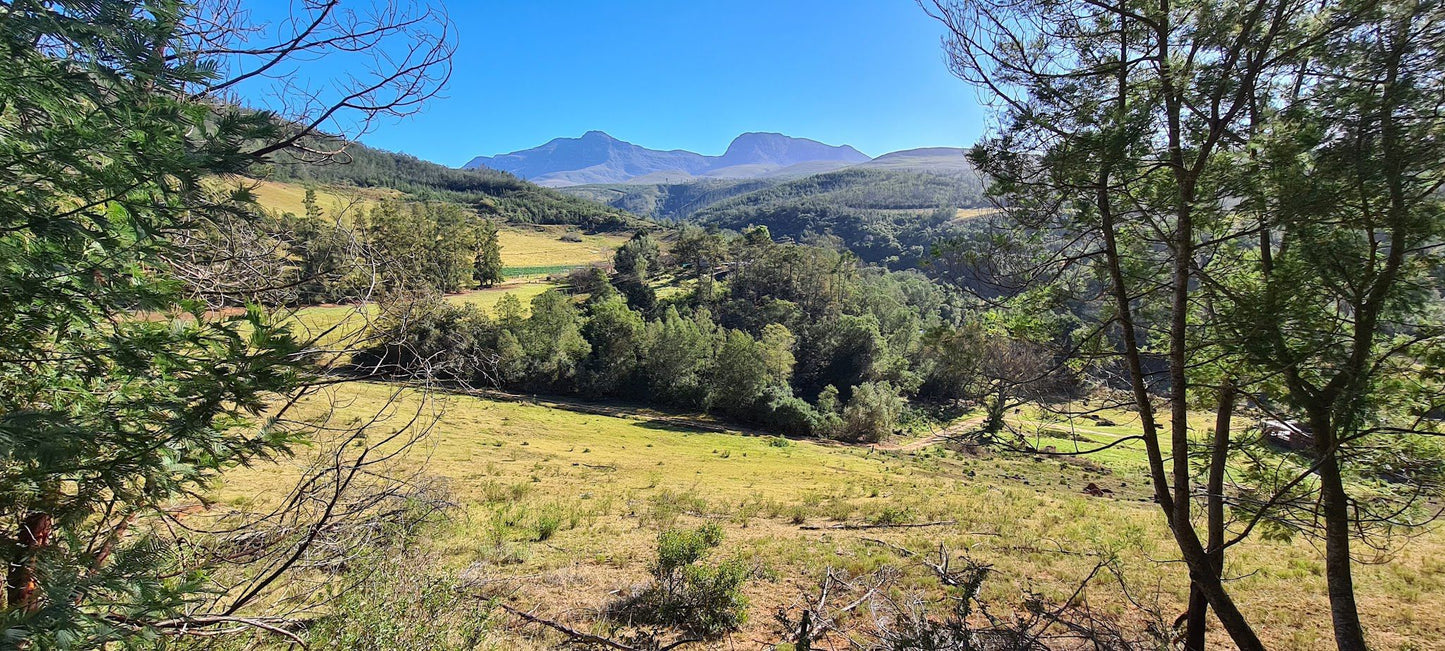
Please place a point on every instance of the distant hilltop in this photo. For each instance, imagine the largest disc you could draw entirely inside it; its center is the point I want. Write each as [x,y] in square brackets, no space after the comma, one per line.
[596,157]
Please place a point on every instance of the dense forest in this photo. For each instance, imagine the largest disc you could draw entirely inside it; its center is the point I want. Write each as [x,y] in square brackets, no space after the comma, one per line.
[668,201]
[802,340]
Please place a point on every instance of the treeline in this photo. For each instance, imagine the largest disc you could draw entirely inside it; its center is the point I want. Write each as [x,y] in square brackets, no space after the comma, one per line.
[797,339]
[490,192]
[889,217]
[395,248]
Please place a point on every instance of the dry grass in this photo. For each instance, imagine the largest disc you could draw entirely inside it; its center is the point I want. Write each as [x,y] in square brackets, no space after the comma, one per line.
[543,246]
[614,482]
[343,201]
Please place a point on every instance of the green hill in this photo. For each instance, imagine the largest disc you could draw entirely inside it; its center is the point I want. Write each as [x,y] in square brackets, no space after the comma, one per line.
[489,191]
[670,201]
[884,216]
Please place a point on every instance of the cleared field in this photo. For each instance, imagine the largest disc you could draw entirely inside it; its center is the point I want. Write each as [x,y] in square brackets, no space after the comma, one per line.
[614,481]
[543,246]
[333,200]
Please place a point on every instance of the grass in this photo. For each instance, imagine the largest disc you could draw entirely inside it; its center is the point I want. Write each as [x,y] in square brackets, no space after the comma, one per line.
[567,505]
[345,201]
[531,247]
[545,270]
[525,290]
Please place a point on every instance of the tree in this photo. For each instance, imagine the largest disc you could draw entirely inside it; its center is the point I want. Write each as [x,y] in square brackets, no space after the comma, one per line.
[635,263]
[121,391]
[552,338]
[701,252]
[738,374]
[872,413]
[777,343]
[617,336]
[678,350]
[1115,116]
[1340,304]
[1257,183]
[487,263]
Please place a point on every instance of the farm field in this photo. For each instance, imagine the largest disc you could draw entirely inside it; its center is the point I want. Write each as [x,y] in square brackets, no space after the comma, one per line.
[604,486]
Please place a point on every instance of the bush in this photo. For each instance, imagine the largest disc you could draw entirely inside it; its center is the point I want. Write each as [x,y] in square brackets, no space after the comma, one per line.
[698,598]
[778,410]
[872,412]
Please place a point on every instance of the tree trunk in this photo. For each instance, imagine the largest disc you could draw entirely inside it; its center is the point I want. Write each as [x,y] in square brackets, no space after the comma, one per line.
[1334,505]
[1197,617]
[21,586]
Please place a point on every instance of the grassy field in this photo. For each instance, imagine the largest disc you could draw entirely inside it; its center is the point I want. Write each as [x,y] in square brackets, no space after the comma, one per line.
[333,200]
[615,481]
[544,246]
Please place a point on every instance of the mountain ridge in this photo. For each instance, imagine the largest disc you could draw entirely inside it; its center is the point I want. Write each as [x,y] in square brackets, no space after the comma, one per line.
[596,157]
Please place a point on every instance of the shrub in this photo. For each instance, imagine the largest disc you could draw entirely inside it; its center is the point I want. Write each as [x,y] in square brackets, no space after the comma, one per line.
[547,524]
[872,412]
[687,594]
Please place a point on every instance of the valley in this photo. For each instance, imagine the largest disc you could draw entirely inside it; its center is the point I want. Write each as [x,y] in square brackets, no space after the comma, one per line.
[1126,333]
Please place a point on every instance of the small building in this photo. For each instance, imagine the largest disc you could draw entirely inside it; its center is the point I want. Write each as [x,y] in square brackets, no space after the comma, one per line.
[1289,434]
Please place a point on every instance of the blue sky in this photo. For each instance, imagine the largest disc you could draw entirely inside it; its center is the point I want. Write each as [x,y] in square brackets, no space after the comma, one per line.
[690,75]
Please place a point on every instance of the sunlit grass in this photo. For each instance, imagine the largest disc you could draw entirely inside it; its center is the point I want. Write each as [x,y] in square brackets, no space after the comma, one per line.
[602,486]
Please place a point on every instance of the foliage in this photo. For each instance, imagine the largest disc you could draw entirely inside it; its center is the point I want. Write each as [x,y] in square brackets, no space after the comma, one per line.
[788,322]
[873,411]
[489,192]
[688,594]
[105,417]
[487,261]
[887,217]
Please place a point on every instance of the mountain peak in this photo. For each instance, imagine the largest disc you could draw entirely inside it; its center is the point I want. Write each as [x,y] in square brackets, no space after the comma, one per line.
[755,147]
[597,157]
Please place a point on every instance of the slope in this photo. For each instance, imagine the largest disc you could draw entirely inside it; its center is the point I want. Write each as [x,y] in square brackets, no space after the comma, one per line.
[496,194]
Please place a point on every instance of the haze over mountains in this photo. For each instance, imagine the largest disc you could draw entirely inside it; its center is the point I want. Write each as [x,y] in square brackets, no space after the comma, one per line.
[599,158]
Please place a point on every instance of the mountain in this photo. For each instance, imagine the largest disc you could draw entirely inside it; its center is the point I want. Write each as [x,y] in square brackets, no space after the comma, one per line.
[678,195]
[599,158]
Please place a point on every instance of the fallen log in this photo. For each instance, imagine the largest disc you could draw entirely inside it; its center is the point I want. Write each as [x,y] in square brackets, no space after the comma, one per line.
[850,526]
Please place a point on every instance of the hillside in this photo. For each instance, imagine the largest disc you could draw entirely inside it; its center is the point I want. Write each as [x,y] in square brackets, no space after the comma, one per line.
[493,193]
[941,160]
[669,200]
[596,157]
[883,216]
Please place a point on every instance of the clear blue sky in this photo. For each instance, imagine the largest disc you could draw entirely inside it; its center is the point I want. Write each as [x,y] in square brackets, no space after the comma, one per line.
[690,75]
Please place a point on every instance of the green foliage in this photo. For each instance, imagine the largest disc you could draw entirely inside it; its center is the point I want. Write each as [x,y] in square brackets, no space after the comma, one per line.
[487,261]
[106,417]
[852,325]
[430,247]
[738,374]
[688,594]
[873,412]
[489,192]
[889,217]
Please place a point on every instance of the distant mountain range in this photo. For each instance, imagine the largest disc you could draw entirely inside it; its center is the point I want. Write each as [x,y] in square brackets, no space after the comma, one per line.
[597,158]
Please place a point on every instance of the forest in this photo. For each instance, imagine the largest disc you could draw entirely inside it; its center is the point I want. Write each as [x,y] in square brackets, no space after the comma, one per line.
[800,340]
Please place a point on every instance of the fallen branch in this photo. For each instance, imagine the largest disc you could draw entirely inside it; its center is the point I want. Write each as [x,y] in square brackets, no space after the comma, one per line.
[575,636]
[901,525]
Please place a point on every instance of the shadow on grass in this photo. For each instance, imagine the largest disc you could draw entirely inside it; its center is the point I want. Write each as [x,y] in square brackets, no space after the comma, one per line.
[666,425]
